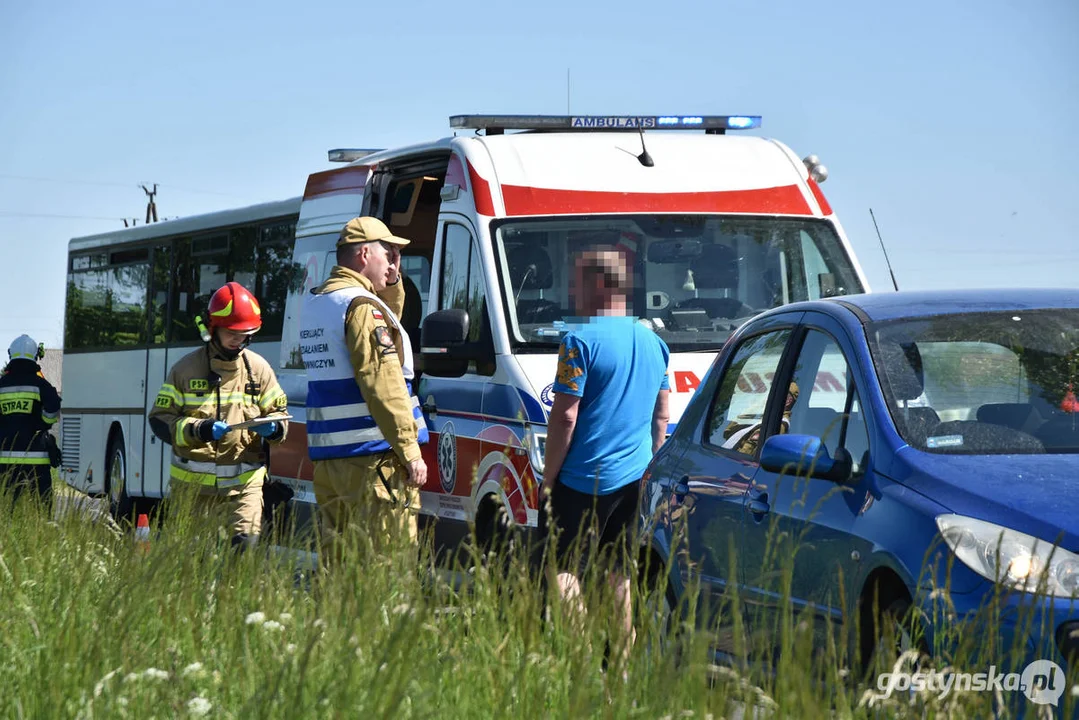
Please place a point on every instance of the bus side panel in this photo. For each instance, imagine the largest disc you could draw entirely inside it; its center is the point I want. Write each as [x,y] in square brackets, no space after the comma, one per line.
[100,388]
[149,484]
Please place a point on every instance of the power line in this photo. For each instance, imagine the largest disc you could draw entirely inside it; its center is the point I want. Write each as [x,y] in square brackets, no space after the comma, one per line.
[114,184]
[5,213]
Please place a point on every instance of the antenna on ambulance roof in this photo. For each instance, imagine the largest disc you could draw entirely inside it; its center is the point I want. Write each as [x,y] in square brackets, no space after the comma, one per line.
[886,260]
[644,157]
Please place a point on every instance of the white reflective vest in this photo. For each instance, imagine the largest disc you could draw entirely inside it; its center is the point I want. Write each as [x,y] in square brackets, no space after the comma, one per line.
[339,423]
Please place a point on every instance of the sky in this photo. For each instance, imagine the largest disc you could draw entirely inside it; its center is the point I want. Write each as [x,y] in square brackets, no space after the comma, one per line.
[951,120]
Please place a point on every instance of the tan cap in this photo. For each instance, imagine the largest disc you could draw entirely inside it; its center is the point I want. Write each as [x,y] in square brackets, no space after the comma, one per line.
[368,229]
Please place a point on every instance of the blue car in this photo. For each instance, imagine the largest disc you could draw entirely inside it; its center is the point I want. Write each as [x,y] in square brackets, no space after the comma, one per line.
[893,445]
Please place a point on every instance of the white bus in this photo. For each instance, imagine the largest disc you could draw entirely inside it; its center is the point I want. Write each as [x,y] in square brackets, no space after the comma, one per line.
[132,298]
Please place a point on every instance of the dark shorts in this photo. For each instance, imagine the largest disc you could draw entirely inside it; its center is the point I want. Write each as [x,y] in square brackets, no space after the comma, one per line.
[593,529]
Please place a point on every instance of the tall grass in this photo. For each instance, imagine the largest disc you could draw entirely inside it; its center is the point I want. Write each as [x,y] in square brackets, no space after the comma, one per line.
[94,625]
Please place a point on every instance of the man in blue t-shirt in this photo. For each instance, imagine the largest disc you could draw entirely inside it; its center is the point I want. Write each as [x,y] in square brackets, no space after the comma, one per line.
[608,418]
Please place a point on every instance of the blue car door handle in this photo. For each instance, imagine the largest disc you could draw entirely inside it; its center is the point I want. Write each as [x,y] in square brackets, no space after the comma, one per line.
[758,503]
[681,488]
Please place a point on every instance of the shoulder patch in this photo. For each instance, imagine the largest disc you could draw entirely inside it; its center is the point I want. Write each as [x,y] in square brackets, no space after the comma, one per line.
[382,337]
[197,384]
[376,313]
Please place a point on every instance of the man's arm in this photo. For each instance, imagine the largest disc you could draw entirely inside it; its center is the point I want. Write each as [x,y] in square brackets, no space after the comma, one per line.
[661,415]
[377,370]
[166,417]
[560,426]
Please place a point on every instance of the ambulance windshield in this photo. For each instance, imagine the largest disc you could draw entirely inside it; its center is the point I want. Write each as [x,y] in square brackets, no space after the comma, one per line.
[694,278]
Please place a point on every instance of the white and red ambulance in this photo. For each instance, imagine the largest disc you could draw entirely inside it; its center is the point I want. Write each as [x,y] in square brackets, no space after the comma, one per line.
[717,225]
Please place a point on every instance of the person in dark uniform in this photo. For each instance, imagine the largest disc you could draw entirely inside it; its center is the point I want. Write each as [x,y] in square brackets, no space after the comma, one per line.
[29,407]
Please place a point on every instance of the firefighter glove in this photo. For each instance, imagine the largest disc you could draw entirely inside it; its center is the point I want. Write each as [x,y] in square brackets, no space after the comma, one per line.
[208,430]
[266,429]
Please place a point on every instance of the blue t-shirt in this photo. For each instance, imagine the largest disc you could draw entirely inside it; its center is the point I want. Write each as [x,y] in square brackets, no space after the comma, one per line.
[617,367]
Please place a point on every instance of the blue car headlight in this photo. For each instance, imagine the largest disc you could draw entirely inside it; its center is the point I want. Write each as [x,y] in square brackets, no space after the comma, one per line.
[1010,557]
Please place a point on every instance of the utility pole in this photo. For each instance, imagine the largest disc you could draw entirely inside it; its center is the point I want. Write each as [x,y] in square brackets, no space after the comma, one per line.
[151,206]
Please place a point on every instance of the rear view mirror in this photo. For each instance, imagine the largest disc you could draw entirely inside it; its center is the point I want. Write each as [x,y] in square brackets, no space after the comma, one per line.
[443,338]
[804,456]
[669,252]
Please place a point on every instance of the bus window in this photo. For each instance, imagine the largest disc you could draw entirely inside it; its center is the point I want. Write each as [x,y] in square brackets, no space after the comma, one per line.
[106,303]
[159,305]
[201,268]
[275,273]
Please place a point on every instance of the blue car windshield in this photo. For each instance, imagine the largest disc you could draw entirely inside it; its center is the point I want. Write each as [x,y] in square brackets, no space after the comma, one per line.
[987,383]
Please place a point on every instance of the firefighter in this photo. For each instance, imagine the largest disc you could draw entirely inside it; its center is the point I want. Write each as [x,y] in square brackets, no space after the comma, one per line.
[221,470]
[364,426]
[29,408]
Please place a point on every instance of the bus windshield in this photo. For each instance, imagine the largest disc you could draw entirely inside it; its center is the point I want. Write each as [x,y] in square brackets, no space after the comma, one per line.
[696,278]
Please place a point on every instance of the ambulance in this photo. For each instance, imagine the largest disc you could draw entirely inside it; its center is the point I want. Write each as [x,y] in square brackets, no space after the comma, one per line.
[716,224]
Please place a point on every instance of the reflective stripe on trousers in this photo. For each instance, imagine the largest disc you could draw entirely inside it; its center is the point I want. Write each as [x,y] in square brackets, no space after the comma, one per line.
[208,473]
[31,457]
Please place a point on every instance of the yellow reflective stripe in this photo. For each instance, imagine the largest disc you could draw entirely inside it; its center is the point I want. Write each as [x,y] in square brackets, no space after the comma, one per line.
[181,439]
[28,457]
[192,477]
[223,312]
[266,402]
[7,396]
[226,399]
[205,478]
[17,389]
[49,419]
[170,392]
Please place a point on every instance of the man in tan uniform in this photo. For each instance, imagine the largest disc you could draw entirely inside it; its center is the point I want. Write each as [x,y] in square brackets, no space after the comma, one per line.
[364,426]
[218,470]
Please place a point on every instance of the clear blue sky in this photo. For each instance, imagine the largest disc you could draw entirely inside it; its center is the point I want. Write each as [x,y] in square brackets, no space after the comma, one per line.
[952,120]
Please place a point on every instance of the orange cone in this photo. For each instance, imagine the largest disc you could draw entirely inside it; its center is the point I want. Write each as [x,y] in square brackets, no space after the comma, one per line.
[142,532]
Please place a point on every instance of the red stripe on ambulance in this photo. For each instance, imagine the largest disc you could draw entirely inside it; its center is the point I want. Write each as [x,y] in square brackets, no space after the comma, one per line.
[784,200]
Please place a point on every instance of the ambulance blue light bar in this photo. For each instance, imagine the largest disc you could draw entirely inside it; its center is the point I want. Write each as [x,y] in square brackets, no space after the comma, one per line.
[605,122]
[350,154]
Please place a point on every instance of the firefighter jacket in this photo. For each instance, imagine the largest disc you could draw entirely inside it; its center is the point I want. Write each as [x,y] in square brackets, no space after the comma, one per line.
[29,407]
[204,385]
[359,369]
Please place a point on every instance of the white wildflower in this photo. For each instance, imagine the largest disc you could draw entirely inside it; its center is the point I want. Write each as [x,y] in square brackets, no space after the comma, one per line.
[155,674]
[291,648]
[100,687]
[255,618]
[199,706]
[122,702]
[320,623]
[401,609]
[194,668]
[285,617]
[273,625]
[131,677]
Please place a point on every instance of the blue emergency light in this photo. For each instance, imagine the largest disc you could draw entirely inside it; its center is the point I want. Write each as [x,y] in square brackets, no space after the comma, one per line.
[710,123]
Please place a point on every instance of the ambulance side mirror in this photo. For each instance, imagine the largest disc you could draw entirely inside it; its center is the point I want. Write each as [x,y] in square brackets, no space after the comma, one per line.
[444,343]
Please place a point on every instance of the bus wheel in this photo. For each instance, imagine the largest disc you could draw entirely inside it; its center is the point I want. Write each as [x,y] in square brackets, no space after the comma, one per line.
[120,504]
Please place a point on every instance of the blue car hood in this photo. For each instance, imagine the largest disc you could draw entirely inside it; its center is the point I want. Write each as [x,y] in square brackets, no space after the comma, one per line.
[1035,494]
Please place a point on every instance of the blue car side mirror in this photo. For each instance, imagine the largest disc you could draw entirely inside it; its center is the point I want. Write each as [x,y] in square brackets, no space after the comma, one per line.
[804,456]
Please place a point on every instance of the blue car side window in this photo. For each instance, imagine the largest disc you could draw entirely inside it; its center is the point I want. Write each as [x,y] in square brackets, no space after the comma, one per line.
[734,420]
[824,385]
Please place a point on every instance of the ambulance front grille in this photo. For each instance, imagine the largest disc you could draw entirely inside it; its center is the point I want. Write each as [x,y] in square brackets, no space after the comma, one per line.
[70,442]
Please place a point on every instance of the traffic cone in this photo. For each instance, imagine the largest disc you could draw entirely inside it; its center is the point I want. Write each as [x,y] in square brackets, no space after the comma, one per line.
[142,533]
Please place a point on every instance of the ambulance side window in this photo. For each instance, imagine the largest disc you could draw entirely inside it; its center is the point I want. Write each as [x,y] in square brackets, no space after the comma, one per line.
[462,282]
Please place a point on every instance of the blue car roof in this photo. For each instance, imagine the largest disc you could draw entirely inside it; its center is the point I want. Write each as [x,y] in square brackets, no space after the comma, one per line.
[921,303]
